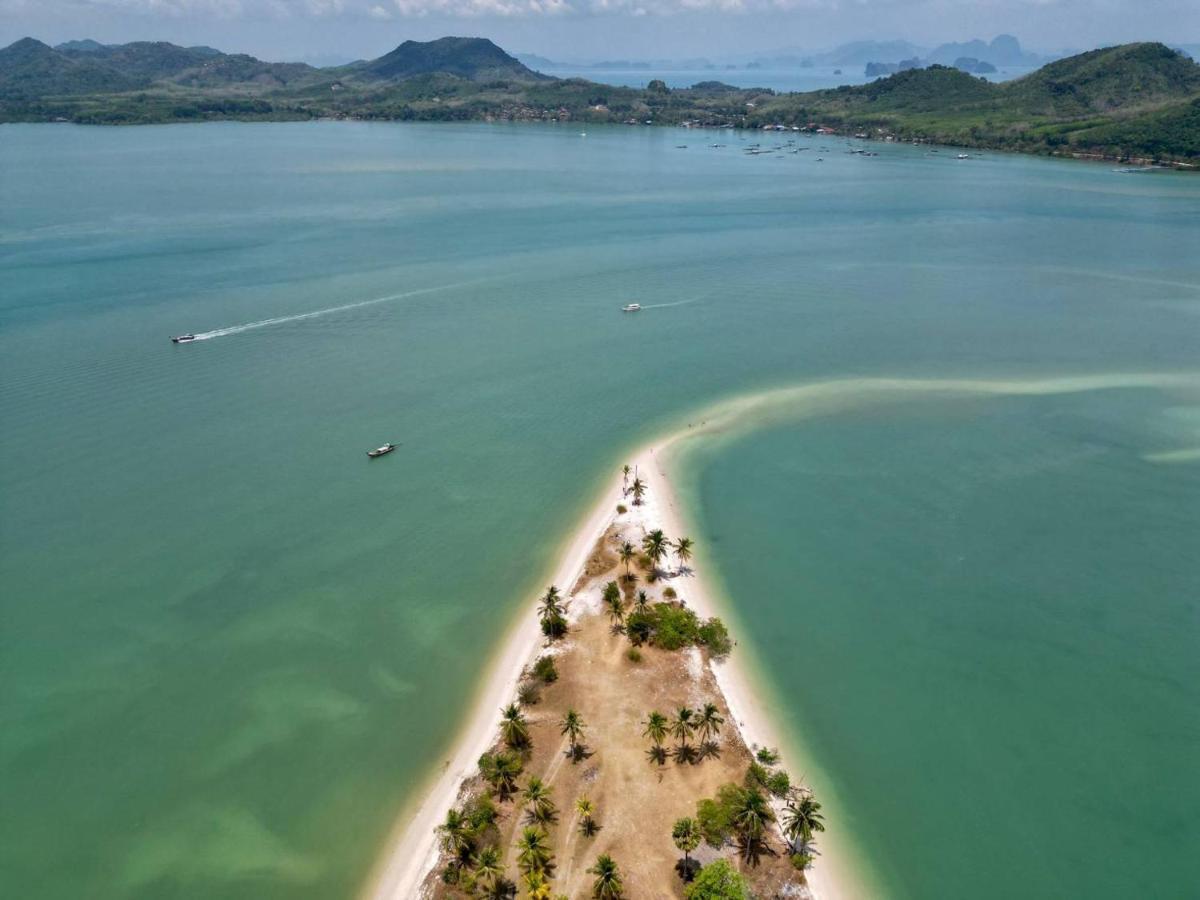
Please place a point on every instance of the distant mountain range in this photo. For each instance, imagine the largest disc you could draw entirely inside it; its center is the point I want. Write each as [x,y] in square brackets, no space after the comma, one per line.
[1132,101]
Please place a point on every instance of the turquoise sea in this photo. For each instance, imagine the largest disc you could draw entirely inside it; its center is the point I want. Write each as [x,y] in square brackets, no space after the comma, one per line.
[232,648]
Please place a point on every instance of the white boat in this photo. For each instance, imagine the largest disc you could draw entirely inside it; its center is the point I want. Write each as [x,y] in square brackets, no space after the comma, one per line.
[963,156]
[631,307]
[183,339]
[381,451]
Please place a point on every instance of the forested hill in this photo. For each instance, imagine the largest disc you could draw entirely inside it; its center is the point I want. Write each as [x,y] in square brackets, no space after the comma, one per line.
[1139,101]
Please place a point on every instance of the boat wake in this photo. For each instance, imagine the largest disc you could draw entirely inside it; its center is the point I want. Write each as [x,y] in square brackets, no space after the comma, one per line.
[675,303]
[316,313]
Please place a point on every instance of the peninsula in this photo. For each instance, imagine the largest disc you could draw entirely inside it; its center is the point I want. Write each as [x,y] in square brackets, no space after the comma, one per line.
[618,749]
[1136,102]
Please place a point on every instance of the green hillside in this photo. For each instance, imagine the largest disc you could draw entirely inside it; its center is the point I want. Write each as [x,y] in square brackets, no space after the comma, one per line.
[1135,101]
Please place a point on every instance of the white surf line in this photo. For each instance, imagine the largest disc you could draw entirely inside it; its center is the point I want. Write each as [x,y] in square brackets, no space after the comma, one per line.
[279,320]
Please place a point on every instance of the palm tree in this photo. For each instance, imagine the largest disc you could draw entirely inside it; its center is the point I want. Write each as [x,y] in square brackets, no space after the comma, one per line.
[500,889]
[554,624]
[616,606]
[513,727]
[710,722]
[750,816]
[455,835]
[607,885]
[573,727]
[642,602]
[683,550]
[538,886]
[638,489]
[539,807]
[500,770]
[683,724]
[625,470]
[656,727]
[627,553]
[802,817]
[655,545]
[587,811]
[532,853]
[488,867]
[686,835]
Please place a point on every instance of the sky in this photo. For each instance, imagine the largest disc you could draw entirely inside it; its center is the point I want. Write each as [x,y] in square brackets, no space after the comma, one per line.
[334,31]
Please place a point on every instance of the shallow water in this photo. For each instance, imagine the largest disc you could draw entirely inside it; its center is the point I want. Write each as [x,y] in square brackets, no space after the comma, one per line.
[233,648]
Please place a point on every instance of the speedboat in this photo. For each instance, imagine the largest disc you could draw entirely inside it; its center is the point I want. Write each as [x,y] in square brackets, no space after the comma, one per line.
[963,156]
[183,339]
[381,451]
[631,307]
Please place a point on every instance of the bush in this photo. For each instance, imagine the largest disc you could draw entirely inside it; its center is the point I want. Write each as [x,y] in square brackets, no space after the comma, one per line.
[481,812]
[715,816]
[674,626]
[554,626]
[669,593]
[779,783]
[528,693]
[545,669]
[757,775]
[767,757]
[718,881]
[634,655]
[801,861]
[622,509]
[715,636]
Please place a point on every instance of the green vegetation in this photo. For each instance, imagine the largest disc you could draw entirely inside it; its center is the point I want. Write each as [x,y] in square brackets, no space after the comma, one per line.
[513,727]
[573,727]
[718,881]
[1137,100]
[550,612]
[587,812]
[607,885]
[766,756]
[736,813]
[686,835]
[545,669]
[500,771]
[672,627]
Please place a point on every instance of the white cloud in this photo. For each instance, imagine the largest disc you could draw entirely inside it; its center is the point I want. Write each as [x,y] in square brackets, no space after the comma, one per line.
[378,12]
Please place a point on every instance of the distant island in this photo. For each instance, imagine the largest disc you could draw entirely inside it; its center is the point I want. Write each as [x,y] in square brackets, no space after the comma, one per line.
[1137,102]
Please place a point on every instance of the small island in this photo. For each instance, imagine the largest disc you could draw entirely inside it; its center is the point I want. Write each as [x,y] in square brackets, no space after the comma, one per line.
[626,759]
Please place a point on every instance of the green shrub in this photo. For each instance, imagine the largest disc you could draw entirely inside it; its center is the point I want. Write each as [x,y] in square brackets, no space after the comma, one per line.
[801,861]
[715,816]
[715,636]
[528,693]
[779,783]
[718,881]
[481,812]
[634,655]
[554,626]
[674,626]
[545,669]
[767,757]
[669,593]
[757,775]
[622,509]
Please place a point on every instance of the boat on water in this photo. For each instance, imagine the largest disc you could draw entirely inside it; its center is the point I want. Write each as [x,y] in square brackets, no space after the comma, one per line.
[183,339]
[963,156]
[631,307]
[381,451]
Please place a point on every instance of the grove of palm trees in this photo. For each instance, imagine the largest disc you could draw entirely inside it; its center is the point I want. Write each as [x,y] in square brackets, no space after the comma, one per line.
[620,772]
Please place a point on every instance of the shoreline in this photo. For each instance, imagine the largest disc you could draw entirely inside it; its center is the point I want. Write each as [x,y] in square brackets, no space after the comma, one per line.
[412,848]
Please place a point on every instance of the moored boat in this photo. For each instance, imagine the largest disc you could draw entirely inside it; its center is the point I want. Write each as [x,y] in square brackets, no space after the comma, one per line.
[381,451]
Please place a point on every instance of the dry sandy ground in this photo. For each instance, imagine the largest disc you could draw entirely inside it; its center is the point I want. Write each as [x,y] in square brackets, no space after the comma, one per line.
[637,800]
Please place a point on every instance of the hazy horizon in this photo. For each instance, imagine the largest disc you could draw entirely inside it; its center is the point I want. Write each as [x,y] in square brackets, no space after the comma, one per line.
[330,31]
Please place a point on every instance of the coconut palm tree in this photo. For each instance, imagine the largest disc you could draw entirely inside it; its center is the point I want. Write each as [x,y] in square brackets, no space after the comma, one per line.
[709,722]
[488,867]
[683,725]
[656,727]
[455,835]
[627,553]
[500,770]
[500,888]
[573,727]
[686,835]
[616,606]
[643,602]
[587,812]
[802,817]
[751,813]
[683,550]
[607,885]
[538,886]
[554,623]
[513,727]
[638,489]
[533,855]
[655,545]
[625,470]
[539,807]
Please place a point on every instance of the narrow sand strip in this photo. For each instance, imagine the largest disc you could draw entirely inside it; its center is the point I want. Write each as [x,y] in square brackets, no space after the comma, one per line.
[414,852]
